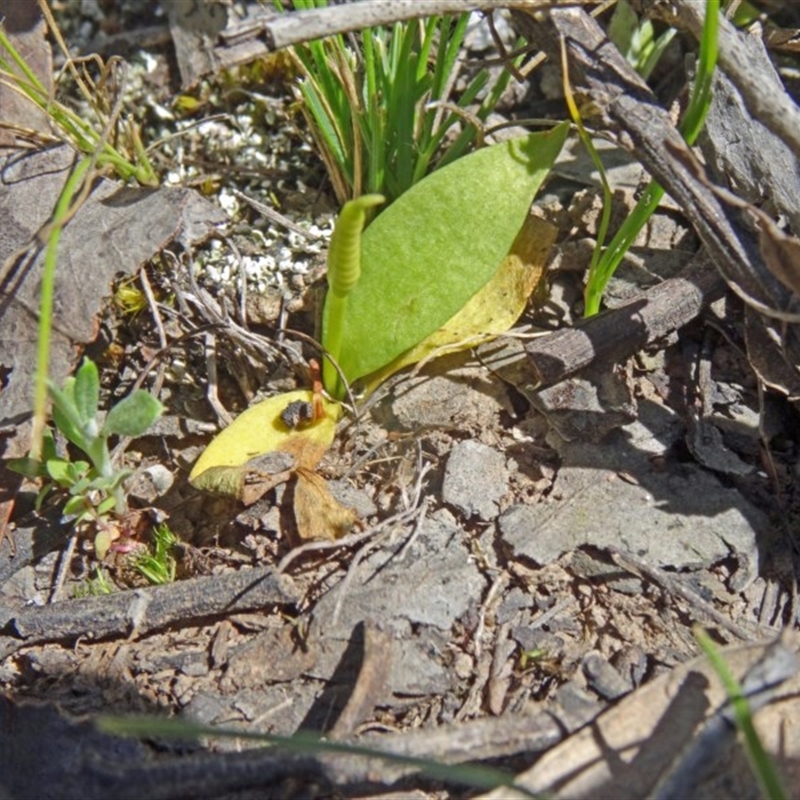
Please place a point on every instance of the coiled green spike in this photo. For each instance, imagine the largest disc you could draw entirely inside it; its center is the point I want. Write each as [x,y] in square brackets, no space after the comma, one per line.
[344,270]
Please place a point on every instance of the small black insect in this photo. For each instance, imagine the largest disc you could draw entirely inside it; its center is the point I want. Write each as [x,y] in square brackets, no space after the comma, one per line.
[298,414]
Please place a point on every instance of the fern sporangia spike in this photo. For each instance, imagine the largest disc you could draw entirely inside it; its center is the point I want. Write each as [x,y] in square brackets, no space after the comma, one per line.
[344,270]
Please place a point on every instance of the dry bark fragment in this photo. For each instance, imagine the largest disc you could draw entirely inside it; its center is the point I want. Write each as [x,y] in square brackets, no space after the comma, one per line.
[618,334]
[140,611]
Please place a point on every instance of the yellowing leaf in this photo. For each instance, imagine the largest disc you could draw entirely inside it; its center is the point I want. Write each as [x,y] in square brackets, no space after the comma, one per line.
[250,481]
[186,104]
[261,430]
[103,541]
[493,309]
[317,513]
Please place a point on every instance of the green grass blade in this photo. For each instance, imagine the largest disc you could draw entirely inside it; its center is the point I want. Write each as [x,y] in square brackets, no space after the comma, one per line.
[370,119]
[21,64]
[474,775]
[607,265]
[654,56]
[691,125]
[61,214]
[403,105]
[762,763]
[451,36]
[605,216]
[700,98]
[325,118]
[432,25]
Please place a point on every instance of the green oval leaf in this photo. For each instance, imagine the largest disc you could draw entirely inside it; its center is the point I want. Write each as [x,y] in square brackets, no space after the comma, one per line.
[436,246]
[66,415]
[76,505]
[133,415]
[87,391]
[492,310]
[58,469]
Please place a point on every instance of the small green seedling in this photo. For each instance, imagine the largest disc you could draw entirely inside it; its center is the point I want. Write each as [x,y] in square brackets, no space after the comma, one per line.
[158,565]
[95,486]
[530,657]
[636,38]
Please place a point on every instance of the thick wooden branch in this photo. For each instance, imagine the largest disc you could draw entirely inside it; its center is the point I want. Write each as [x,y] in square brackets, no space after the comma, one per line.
[139,611]
[618,334]
[269,32]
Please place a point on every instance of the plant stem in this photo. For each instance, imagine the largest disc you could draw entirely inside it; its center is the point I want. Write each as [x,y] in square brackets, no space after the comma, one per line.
[60,216]
[605,217]
[101,460]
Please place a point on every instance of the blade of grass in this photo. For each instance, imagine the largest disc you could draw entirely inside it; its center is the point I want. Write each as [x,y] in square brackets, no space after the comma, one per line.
[352,99]
[302,742]
[605,216]
[63,211]
[654,56]
[431,84]
[371,119]
[403,104]
[762,764]
[430,28]
[690,127]
[452,38]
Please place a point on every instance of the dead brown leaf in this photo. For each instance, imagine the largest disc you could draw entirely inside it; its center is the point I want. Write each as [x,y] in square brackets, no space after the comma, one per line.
[306,452]
[317,513]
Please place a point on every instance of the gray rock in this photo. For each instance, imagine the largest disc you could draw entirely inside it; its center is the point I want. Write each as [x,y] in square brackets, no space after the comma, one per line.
[475,480]
[519,527]
[613,495]
[417,597]
[451,393]
[352,497]
[513,601]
